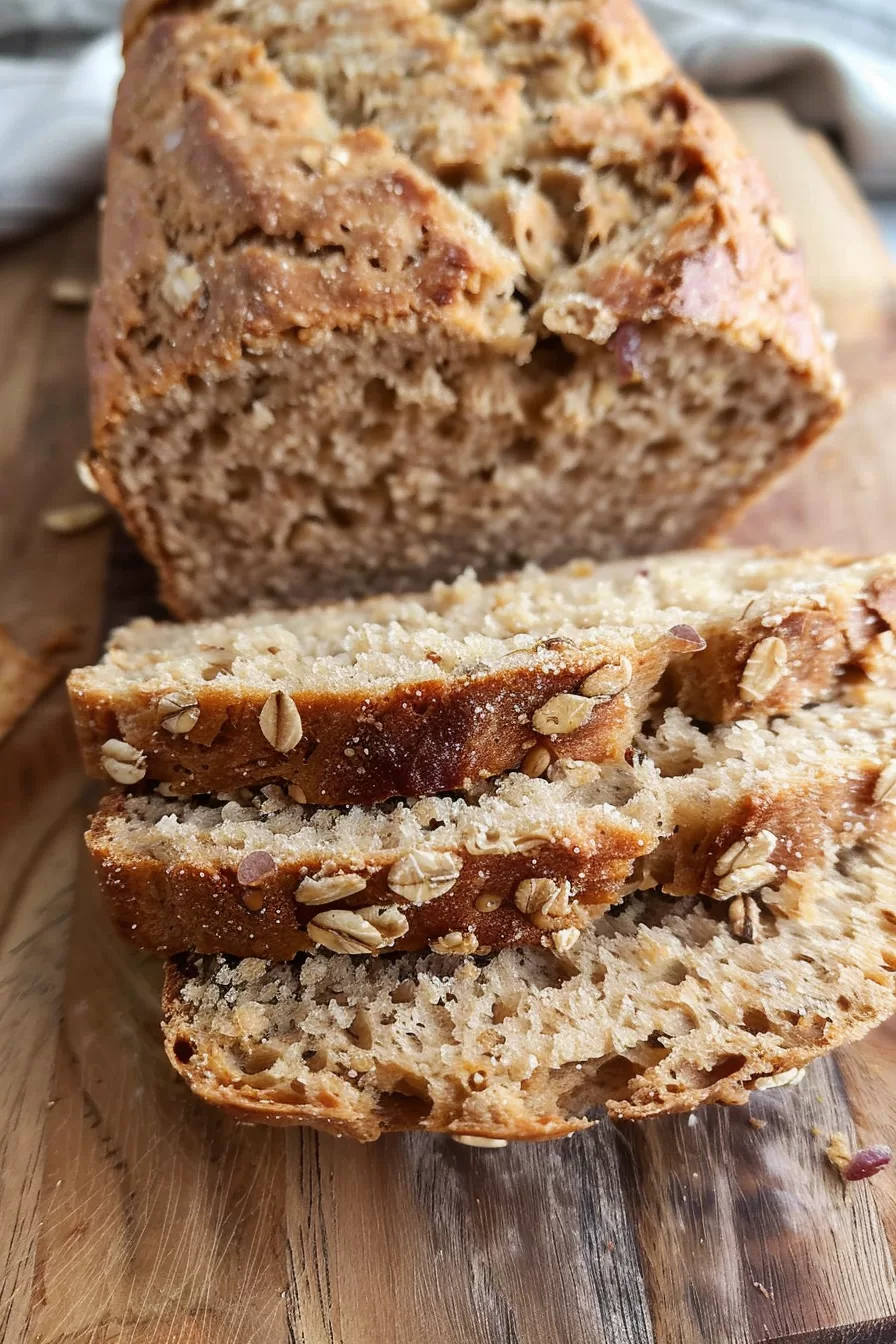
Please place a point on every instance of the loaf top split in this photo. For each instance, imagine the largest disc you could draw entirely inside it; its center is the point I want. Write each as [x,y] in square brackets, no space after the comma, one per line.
[407,696]
[658,1007]
[389,289]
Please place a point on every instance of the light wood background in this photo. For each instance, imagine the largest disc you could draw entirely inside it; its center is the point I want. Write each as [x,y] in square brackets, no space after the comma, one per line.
[132,1215]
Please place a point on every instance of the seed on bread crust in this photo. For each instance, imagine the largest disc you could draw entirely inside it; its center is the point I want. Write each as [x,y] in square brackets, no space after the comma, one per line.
[535,762]
[345,931]
[542,896]
[122,762]
[608,680]
[388,920]
[743,917]
[744,853]
[457,943]
[255,867]
[422,876]
[281,722]
[763,669]
[326,890]
[180,715]
[564,939]
[740,881]
[563,713]
[885,786]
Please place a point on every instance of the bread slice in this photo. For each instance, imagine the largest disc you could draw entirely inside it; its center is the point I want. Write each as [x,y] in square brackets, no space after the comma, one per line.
[403,697]
[525,861]
[657,1008]
[723,814]
[421,286]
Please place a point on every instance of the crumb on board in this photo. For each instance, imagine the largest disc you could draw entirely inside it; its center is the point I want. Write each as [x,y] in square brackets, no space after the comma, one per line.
[756,1123]
[70,292]
[859,1165]
[74,518]
[23,680]
[768,1293]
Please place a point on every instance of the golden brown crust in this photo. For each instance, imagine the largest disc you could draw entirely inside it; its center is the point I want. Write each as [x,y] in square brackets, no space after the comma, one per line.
[307,188]
[440,736]
[363,747]
[718,1021]
[183,905]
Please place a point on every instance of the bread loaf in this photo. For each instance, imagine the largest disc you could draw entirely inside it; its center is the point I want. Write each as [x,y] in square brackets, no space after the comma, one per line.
[390,289]
[658,1007]
[722,814]
[403,697]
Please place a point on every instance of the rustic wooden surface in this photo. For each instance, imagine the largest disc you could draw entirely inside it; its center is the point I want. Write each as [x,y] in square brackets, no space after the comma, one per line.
[133,1215]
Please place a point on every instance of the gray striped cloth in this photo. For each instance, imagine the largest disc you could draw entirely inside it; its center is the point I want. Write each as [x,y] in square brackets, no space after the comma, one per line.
[833,62]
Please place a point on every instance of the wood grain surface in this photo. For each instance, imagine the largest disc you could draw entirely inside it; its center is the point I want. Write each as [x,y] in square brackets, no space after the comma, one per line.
[133,1215]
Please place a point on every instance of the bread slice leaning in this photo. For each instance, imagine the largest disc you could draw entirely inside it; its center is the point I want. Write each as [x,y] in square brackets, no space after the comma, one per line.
[657,1008]
[408,696]
[724,814]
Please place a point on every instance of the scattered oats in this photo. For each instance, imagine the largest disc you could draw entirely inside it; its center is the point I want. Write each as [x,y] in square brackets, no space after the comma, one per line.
[296,793]
[743,917]
[744,853]
[180,715]
[345,931]
[74,517]
[389,920]
[764,668]
[423,875]
[789,1078]
[740,881]
[542,896]
[564,939]
[122,762]
[70,292]
[281,722]
[608,680]
[325,890]
[457,943]
[562,714]
[535,762]
[86,476]
[783,233]
[474,1141]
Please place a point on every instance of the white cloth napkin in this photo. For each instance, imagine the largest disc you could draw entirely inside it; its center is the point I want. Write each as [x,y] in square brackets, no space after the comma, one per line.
[833,62]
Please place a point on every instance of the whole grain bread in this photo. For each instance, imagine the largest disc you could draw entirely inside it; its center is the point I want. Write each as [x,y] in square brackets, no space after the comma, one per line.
[408,696]
[389,289]
[722,814]
[658,1007]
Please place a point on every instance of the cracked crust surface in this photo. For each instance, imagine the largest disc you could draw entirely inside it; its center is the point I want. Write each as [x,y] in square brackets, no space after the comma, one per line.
[657,1008]
[483,284]
[407,696]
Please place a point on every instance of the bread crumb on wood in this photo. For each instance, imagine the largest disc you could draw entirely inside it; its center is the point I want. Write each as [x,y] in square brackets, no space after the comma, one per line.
[23,680]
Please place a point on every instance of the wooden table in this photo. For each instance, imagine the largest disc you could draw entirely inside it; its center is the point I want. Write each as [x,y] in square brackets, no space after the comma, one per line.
[132,1215]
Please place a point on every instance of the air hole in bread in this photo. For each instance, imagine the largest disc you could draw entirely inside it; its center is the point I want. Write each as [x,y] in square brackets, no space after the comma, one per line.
[183,1049]
[756,1021]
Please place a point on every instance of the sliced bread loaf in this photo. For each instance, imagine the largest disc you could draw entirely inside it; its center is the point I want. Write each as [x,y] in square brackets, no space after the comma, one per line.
[417,286]
[658,1007]
[725,815]
[400,697]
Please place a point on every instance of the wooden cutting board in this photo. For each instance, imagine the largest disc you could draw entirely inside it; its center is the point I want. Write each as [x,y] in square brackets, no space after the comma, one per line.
[133,1215]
